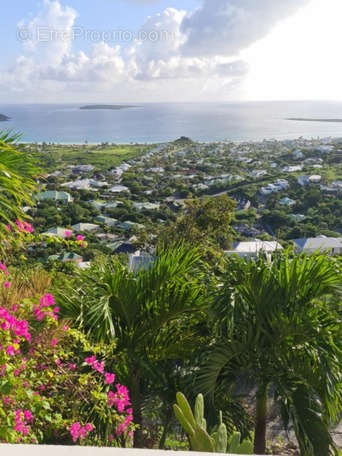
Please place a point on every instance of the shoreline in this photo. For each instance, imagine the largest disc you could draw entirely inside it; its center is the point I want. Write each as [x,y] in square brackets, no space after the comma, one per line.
[157,143]
[304,119]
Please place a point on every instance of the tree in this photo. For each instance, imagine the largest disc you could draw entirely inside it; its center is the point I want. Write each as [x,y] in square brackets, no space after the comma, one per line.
[204,221]
[275,323]
[17,171]
[153,315]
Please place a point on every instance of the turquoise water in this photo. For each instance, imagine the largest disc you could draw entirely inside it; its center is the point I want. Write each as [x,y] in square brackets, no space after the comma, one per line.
[161,122]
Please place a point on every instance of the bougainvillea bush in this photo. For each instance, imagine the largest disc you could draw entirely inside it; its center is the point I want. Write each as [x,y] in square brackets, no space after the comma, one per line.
[55,387]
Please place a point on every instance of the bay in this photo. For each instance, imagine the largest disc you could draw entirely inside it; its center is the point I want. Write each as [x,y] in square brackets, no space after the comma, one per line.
[162,122]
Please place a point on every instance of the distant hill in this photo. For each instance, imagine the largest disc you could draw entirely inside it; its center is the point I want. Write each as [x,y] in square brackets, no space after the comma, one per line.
[3,118]
[113,107]
[184,139]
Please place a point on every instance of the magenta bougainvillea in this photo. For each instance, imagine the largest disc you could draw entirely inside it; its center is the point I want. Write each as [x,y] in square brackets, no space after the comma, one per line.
[54,385]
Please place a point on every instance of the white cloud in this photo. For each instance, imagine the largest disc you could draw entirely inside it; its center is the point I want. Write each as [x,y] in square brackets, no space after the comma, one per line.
[200,55]
[225,27]
[44,42]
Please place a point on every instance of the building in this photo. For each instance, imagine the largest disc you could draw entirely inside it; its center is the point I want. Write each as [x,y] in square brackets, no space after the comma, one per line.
[66,257]
[319,244]
[53,195]
[106,220]
[287,201]
[58,232]
[251,249]
[79,227]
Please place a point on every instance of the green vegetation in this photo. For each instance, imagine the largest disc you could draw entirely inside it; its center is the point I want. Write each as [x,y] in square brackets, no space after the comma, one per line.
[17,172]
[195,426]
[103,157]
[251,336]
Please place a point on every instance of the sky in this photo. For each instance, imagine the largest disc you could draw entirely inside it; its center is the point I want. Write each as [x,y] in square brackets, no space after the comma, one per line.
[81,51]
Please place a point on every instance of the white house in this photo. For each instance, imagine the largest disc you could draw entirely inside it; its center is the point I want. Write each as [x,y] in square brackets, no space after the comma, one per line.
[320,243]
[252,249]
[119,189]
[292,168]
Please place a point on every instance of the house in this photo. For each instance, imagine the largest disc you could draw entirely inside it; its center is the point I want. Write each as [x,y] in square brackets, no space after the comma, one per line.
[100,205]
[106,220]
[79,227]
[242,204]
[85,184]
[292,169]
[287,201]
[146,206]
[58,232]
[251,249]
[282,183]
[140,260]
[320,243]
[297,217]
[305,180]
[66,257]
[128,225]
[121,247]
[119,189]
[53,195]
[83,169]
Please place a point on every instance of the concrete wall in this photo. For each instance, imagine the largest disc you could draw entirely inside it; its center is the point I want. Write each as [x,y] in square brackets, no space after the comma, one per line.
[44,450]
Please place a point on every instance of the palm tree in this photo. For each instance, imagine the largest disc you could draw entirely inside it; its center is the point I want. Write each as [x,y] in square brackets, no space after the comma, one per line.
[17,172]
[277,324]
[152,315]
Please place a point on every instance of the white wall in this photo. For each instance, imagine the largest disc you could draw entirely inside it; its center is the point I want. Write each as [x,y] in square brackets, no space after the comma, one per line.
[44,450]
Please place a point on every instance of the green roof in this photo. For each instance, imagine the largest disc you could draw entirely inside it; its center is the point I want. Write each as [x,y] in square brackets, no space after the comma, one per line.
[66,256]
[54,195]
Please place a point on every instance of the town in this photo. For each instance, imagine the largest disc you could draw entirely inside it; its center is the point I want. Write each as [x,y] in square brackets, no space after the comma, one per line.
[286,193]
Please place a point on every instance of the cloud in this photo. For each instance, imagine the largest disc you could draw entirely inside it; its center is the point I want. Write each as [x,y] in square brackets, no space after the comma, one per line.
[225,27]
[181,55]
[46,46]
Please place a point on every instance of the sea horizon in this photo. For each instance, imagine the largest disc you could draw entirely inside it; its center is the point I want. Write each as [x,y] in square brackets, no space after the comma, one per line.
[151,122]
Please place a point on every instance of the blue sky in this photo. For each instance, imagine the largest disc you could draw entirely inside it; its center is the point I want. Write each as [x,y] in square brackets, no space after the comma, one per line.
[170,50]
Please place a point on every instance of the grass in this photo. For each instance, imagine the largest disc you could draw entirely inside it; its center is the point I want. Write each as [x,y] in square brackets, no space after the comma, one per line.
[103,157]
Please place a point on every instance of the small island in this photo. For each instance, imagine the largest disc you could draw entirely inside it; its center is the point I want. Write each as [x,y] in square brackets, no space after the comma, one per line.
[111,107]
[303,119]
[3,118]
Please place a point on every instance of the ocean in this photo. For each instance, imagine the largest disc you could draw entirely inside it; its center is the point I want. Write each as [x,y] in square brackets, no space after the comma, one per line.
[162,122]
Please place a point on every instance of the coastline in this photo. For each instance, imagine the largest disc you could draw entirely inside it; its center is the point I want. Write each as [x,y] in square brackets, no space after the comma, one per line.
[303,119]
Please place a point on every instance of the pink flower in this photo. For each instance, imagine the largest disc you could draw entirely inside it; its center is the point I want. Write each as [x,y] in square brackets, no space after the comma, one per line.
[99,366]
[91,360]
[3,268]
[79,432]
[54,342]
[10,350]
[47,300]
[24,226]
[28,415]
[67,233]
[109,378]
[80,238]
[7,284]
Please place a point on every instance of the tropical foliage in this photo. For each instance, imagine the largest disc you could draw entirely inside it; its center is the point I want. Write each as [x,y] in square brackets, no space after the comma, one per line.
[277,324]
[154,315]
[17,173]
[54,385]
